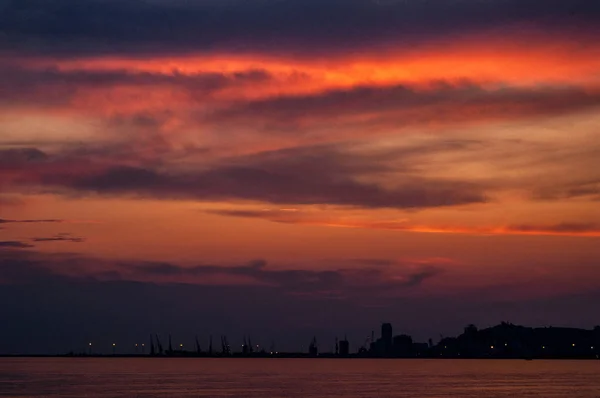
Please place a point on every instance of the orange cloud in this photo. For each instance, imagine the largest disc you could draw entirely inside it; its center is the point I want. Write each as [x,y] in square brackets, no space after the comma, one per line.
[488,62]
[563,229]
[188,100]
[490,59]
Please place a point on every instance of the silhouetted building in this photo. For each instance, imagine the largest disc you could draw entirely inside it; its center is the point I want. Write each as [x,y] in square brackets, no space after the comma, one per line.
[420,349]
[344,347]
[313,349]
[386,338]
[386,332]
[403,346]
[373,343]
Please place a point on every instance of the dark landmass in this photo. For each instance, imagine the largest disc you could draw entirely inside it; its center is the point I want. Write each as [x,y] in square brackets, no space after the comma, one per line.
[504,341]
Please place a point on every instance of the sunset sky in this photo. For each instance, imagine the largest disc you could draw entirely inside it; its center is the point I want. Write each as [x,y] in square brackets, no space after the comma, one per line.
[290,168]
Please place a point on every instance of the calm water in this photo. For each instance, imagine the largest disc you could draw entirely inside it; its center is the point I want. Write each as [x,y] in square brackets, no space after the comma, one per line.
[68,377]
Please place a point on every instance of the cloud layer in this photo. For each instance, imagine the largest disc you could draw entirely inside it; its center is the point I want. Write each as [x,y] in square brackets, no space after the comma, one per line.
[389,280]
[309,25]
[315,175]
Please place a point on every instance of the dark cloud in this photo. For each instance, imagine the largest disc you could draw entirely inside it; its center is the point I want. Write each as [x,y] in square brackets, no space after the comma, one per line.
[585,189]
[278,216]
[14,245]
[52,87]
[347,282]
[314,218]
[100,78]
[403,105]
[589,188]
[341,282]
[25,267]
[377,262]
[306,175]
[558,228]
[296,26]
[21,155]
[279,185]
[63,237]
[3,221]
[241,213]
[167,269]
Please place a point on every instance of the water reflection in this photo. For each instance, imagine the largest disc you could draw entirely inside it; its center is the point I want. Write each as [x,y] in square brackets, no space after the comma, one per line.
[106,377]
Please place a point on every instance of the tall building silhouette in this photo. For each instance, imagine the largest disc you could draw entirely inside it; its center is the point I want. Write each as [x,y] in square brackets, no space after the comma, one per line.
[344,347]
[386,338]
[313,349]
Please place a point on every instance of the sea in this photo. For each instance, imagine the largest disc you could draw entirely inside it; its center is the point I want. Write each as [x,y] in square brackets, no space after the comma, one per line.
[307,378]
